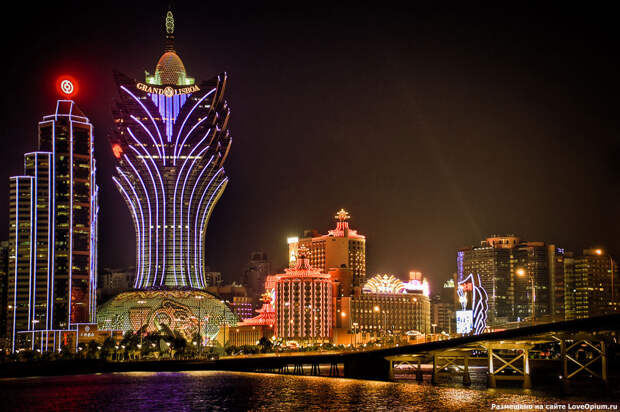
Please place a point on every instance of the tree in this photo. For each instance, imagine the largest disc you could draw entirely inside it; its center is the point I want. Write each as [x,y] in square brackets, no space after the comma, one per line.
[265,345]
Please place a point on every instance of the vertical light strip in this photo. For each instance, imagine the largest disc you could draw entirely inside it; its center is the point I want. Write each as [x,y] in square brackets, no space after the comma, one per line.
[159,152]
[195,216]
[162,153]
[174,217]
[183,125]
[189,172]
[156,214]
[70,218]
[32,258]
[137,228]
[148,202]
[188,134]
[16,259]
[49,240]
[206,215]
[142,229]
[198,241]
[53,224]
[163,196]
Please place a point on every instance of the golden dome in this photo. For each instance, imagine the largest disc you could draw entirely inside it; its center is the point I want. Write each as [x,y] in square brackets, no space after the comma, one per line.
[170,69]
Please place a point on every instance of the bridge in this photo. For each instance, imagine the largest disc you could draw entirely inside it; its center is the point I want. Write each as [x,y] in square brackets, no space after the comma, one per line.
[584,346]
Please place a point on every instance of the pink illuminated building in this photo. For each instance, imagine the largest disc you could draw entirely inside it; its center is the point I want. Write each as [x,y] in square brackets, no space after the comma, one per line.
[304,303]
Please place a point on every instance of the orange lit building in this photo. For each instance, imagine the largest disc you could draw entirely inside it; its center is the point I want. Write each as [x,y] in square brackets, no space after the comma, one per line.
[341,247]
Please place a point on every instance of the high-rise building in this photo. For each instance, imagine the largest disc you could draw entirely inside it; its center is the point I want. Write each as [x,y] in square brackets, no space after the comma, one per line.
[595,285]
[114,281]
[212,278]
[254,276]
[515,274]
[491,260]
[53,232]
[342,247]
[170,143]
[304,303]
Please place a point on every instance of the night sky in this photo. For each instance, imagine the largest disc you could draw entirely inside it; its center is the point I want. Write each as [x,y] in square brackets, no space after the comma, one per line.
[432,127]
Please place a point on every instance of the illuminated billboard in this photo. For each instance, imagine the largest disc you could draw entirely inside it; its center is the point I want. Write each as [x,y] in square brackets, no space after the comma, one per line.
[473,299]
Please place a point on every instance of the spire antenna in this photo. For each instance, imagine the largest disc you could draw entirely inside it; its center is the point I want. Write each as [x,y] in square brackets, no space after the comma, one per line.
[169,30]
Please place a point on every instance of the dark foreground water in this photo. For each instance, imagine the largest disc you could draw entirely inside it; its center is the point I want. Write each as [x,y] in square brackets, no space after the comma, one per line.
[223,391]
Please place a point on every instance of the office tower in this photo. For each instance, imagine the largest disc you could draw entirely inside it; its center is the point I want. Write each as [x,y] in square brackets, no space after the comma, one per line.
[304,303]
[53,233]
[517,275]
[537,271]
[341,247]
[595,283]
[491,260]
[170,143]
[212,278]
[254,276]
[114,281]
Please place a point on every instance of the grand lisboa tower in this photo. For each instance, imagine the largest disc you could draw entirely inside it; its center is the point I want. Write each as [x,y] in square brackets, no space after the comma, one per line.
[170,142]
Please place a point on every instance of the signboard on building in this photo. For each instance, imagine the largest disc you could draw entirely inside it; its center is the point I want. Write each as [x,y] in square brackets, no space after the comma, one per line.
[464,321]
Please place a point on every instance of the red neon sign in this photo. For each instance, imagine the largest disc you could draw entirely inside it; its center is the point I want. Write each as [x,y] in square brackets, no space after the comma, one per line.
[67,86]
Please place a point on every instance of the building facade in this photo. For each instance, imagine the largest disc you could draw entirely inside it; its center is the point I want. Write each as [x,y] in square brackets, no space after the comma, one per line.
[170,143]
[304,303]
[53,234]
[523,280]
[594,284]
[388,307]
[342,247]
[254,275]
[114,281]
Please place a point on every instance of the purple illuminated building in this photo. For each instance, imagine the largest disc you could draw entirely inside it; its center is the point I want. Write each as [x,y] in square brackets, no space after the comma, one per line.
[170,141]
[53,235]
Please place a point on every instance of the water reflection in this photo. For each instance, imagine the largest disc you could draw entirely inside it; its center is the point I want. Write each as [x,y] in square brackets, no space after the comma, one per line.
[224,391]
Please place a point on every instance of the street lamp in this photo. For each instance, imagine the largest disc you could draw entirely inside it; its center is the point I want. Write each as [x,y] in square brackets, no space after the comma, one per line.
[434,325]
[522,272]
[377,309]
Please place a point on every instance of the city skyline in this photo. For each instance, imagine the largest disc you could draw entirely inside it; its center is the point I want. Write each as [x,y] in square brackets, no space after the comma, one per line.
[437,192]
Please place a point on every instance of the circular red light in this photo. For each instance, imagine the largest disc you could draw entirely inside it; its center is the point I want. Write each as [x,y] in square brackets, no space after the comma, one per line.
[67,86]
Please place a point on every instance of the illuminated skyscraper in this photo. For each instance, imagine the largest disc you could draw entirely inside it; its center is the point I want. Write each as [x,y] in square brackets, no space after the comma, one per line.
[170,142]
[594,285]
[341,247]
[53,233]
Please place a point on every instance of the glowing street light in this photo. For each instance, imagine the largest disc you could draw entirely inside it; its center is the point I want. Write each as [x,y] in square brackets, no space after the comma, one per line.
[522,272]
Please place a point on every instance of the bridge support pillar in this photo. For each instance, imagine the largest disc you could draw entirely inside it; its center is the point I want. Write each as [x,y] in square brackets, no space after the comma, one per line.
[434,374]
[466,377]
[315,371]
[518,352]
[593,351]
[418,372]
[451,358]
[333,370]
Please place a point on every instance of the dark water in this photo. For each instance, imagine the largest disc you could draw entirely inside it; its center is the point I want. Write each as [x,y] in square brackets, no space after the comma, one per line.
[224,391]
